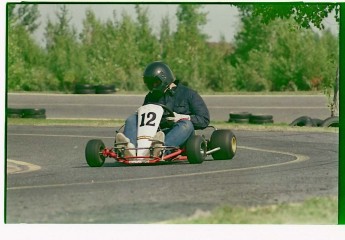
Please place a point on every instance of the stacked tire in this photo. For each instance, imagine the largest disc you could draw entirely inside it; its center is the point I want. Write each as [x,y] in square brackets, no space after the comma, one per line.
[261,119]
[241,117]
[94,89]
[315,122]
[85,89]
[105,89]
[26,113]
[246,117]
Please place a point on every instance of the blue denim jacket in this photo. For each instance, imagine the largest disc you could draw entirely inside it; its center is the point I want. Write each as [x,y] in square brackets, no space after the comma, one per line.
[184,100]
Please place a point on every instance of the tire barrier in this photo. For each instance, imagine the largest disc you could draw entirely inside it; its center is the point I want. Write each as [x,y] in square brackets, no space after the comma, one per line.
[246,117]
[315,122]
[302,121]
[14,112]
[105,89]
[94,89]
[261,119]
[85,89]
[26,113]
[241,117]
[331,122]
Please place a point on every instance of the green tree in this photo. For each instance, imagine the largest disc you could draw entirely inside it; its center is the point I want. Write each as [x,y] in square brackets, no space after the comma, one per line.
[65,58]
[147,42]
[25,59]
[165,37]
[288,57]
[305,14]
[128,54]
[187,55]
[25,15]
[96,44]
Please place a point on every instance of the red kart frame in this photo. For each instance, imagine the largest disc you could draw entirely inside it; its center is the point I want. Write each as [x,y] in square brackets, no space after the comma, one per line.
[174,156]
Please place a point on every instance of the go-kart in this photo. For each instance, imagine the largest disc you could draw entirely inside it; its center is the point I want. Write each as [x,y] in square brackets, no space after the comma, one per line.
[221,145]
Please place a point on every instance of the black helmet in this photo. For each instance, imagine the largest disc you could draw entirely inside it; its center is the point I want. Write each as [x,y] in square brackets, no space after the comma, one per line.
[158,76]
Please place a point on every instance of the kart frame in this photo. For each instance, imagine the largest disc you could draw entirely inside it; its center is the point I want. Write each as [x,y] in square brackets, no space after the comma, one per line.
[176,153]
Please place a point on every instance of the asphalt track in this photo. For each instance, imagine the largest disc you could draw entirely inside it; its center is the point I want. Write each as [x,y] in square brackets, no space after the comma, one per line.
[284,108]
[50,181]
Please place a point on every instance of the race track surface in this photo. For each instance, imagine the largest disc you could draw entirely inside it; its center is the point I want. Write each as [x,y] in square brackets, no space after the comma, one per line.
[49,181]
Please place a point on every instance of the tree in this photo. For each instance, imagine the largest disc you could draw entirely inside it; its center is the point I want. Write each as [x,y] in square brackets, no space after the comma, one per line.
[283,58]
[26,61]
[187,55]
[65,59]
[25,15]
[148,45]
[305,14]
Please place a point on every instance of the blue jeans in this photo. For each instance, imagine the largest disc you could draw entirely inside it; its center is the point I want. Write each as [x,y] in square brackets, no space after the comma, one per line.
[175,136]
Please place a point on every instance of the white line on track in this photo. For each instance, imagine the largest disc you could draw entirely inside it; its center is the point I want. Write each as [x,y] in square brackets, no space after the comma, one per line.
[143,95]
[297,158]
[56,135]
[15,167]
[209,106]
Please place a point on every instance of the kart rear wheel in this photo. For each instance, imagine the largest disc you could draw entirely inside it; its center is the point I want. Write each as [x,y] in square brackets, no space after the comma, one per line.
[196,149]
[93,153]
[226,140]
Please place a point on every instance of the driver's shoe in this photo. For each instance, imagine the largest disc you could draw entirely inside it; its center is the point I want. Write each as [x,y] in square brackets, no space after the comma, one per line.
[130,152]
[123,141]
[157,143]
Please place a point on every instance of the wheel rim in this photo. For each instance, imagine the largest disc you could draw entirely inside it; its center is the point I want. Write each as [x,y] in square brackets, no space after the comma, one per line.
[203,149]
[101,148]
[233,144]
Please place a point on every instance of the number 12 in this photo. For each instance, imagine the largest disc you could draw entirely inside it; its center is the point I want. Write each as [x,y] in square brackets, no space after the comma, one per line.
[151,116]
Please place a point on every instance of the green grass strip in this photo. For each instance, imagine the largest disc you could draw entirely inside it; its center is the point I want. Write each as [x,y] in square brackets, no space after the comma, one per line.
[119,122]
[320,210]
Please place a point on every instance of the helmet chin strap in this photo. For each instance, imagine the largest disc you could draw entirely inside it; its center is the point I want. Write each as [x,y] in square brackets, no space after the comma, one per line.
[171,86]
[170,89]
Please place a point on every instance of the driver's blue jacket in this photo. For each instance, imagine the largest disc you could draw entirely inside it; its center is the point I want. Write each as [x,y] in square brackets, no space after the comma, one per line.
[184,100]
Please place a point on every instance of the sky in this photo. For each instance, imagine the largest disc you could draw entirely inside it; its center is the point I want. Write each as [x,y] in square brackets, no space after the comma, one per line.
[222,18]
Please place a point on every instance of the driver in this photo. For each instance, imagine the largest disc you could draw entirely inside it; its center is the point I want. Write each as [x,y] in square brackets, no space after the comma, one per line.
[190,110]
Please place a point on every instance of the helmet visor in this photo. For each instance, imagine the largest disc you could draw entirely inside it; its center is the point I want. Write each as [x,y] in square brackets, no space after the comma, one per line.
[152,82]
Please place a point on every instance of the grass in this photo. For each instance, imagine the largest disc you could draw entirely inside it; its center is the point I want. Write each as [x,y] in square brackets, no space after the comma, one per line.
[119,122]
[65,122]
[321,210]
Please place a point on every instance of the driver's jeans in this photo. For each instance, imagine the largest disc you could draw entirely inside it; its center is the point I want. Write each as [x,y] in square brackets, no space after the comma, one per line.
[175,136]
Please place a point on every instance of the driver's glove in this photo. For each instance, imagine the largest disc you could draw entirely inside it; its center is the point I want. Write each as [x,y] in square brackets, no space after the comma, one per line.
[177,117]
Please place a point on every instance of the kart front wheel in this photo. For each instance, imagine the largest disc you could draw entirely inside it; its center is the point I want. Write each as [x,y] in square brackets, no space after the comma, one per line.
[93,153]
[196,149]
[226,141]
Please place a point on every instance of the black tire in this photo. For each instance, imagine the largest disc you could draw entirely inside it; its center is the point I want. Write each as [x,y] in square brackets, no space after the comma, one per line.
[14,115]
[260,117]
[261,121]
[239,120]
[93,155]
[241,117]
[196,149]
[85,88]
[302,121]
[33,111]
[105,89]
[37,116]
[14,111]
[317,122]
[226,140]
[85,91]
[331,122]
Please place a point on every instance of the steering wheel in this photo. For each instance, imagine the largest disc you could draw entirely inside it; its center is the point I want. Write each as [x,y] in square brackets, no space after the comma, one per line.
[167,113]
